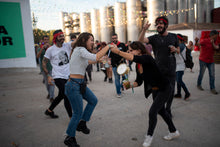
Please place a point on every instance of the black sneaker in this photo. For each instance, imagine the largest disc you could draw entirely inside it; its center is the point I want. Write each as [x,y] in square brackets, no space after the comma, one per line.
[71,142]
[110,80]
[200,87]
[51,114]
[82,127]
[178,96]
[187,96]
[214,91]
[105,79]
[48,96]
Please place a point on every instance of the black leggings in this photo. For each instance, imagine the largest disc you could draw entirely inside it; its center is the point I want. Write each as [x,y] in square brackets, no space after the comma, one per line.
[172,81]
[60,83]
[158,107]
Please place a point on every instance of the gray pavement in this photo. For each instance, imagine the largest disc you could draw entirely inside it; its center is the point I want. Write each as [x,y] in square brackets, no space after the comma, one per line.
[116,122]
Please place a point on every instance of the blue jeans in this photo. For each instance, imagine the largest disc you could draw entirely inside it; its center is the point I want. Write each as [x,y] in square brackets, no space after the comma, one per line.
[118,83]
[50,88]
[72,91]
[180,83]
[211,69]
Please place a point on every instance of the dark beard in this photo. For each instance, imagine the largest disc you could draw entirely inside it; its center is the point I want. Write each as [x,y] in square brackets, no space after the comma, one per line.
[164,29]
[60,41]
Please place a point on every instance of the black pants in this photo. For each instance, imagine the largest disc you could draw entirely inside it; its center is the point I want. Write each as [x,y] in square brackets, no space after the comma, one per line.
[60,83]
[158,107]
[172,80]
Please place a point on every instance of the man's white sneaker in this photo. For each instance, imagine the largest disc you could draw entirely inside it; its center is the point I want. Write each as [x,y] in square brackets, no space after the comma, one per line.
[171,136]
[147,141]
[118,95]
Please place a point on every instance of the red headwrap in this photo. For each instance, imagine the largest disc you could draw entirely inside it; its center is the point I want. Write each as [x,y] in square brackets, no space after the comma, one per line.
[162,20]
[180,37]
[55,36]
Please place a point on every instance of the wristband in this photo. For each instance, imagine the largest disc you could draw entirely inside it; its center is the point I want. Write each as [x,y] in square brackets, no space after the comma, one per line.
[109,46]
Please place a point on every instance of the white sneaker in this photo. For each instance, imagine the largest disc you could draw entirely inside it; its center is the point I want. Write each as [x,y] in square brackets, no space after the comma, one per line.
[118,95]
[147,141]
[171,136]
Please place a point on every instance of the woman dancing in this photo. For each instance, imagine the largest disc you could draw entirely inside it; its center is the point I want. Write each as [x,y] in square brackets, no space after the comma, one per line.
[155,83]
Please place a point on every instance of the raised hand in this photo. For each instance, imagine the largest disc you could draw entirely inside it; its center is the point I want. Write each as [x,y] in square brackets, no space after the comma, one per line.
[146,25]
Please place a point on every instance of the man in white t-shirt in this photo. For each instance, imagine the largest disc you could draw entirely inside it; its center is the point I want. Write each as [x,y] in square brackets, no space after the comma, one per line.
[58,55]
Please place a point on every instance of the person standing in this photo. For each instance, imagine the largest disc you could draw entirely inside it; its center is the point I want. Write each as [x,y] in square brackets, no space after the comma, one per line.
[76,89]
[180,67]
[40,54]
[97,46]
[72,37]
[164,45]
[115,61]
[154,82]
[189,49]
[206,60]
[58,55]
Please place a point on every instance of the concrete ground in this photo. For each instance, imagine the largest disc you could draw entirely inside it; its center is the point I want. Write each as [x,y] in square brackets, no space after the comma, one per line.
[116,122]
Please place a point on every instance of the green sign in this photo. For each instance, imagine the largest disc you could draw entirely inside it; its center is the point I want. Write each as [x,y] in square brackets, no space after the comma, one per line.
[11,31]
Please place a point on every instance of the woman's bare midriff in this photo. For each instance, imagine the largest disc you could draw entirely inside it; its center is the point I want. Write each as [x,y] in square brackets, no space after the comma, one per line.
[76,76]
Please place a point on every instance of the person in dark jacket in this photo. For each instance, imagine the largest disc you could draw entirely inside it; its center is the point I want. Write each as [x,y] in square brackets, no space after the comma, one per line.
[115,62]
[154,82]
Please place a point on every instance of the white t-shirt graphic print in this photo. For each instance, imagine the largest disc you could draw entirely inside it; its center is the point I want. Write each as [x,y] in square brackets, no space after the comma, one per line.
[59,59]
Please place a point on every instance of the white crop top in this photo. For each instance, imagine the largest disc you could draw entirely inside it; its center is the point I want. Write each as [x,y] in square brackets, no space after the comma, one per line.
[79,60]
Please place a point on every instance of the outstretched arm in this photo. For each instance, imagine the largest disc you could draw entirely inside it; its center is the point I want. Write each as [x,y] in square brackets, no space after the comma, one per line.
[102,52]
[142,34]
[122,54]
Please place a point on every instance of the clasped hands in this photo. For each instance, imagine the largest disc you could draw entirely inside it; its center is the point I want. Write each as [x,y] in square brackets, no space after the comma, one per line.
[114,48]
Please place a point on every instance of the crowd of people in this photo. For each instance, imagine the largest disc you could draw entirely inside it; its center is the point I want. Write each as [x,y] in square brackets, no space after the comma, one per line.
[67,65]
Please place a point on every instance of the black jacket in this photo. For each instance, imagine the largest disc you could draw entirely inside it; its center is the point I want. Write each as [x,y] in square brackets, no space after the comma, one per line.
[151,75]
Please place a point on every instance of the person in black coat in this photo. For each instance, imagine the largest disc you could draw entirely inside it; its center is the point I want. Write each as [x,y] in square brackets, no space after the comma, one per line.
[155,83]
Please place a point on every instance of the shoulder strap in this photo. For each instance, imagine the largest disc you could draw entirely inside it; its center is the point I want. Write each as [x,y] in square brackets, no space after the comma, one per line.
[182,55]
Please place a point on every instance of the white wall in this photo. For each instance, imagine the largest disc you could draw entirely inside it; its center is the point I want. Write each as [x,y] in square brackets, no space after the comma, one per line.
[29,60]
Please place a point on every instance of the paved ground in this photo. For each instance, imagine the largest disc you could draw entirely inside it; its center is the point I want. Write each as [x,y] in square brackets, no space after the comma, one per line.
[115,122]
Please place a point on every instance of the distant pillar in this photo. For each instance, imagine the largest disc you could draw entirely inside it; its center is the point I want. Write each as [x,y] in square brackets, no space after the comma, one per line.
[104,24]
[172,16]
[201,11]
[154,7]
[120,21]
[209,8]
[95,25]
[182,17]
[191,12]
[133,22]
